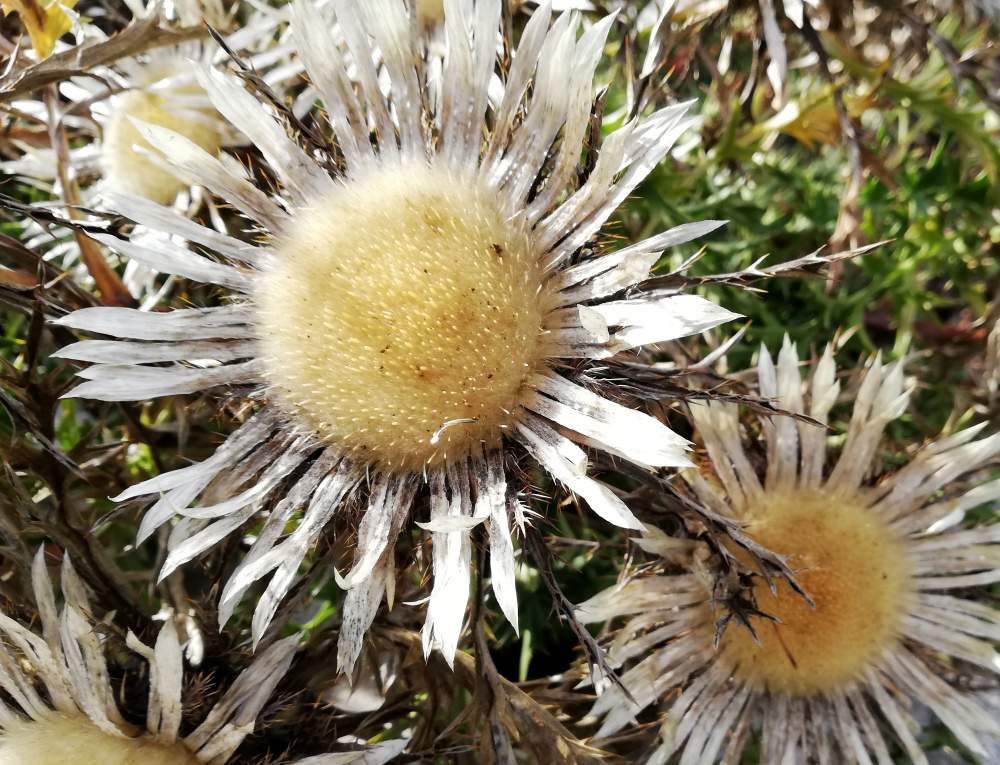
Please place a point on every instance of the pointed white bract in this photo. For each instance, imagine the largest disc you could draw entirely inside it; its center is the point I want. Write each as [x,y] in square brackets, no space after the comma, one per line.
[711,704]
[410,114]
[81,721]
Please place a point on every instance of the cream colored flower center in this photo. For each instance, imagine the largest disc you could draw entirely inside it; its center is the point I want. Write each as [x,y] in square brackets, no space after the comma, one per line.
[855,569]
[64,740]
[126,170]
[430,13]
[402,316]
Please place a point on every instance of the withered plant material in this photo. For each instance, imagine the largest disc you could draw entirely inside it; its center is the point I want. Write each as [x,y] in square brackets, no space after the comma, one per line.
[138,37]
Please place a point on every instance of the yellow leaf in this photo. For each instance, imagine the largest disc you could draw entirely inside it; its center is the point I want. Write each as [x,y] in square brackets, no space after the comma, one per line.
[818,125]
[44,24]
[816,122]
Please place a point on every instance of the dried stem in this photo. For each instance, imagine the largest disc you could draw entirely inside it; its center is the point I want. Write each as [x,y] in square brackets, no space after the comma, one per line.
[846,126]
[109,284]
[600,670]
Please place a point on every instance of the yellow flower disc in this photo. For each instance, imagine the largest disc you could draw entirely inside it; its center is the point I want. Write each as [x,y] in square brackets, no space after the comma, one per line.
[59,739]
[402,316]
[854,568]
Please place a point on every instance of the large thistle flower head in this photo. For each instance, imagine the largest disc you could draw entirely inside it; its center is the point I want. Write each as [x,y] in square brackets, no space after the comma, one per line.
[418,307]
[61,704]
[886,563]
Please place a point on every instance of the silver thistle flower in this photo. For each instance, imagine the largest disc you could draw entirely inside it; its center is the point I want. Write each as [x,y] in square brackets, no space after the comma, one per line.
[410,315]
[77,719]
[823,684]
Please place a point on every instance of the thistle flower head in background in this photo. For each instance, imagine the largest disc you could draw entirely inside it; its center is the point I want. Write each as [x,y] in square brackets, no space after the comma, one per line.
[156,86]
[430,13]
[878,559]
[64,706]
[161,88]
[105,152]
[162,91]
[419,308]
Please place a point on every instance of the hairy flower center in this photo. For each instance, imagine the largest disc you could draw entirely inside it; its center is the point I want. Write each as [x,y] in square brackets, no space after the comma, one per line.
[430,13]
[129,171]
[59,739]
[402,316]
[856,571]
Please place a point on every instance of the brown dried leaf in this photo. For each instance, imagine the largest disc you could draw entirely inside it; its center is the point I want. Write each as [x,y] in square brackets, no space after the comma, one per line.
[805,266]
[138,37]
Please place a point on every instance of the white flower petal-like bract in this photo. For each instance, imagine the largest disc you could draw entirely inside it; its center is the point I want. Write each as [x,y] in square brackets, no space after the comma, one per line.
[415,310]
[885,562]
[77,719]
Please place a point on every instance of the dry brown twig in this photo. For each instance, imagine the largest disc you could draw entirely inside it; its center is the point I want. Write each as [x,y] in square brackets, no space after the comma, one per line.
[140,36]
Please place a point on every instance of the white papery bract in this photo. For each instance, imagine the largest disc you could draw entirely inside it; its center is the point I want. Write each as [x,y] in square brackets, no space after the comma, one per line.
[407,319]
[61,707]
[881,560]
